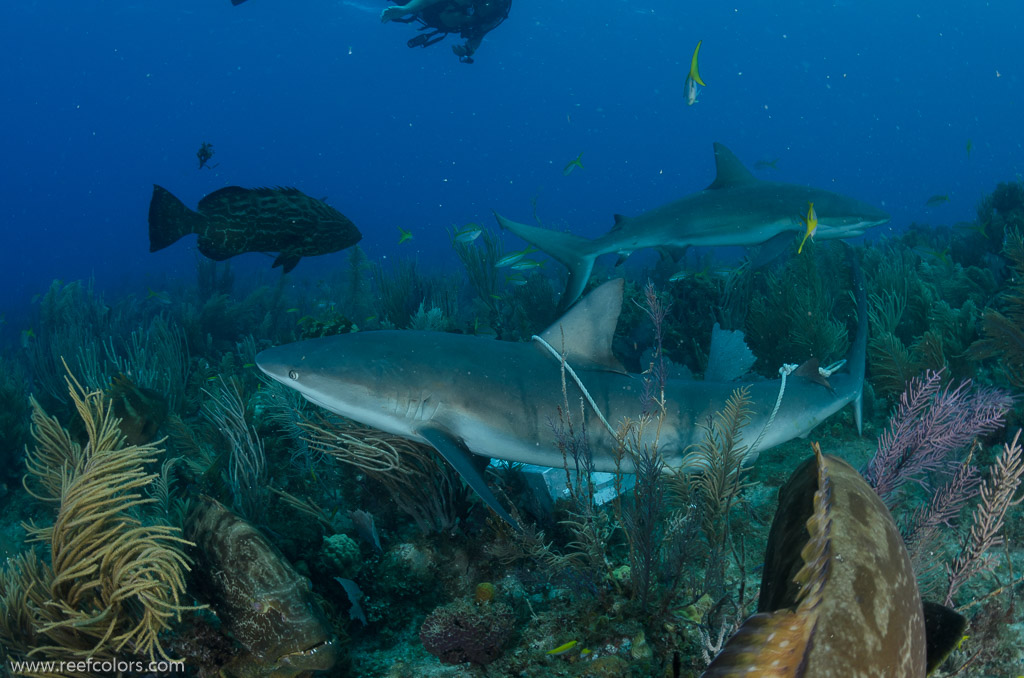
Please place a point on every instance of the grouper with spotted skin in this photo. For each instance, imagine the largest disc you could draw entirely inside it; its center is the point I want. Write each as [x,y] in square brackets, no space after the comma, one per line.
[259,597]
[235,220]
[838,594]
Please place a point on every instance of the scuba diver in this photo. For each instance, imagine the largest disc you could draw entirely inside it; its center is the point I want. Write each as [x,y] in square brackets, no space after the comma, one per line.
[471,19]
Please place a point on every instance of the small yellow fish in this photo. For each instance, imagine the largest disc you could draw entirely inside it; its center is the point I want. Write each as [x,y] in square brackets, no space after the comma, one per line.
[512,258]
[963,640]
[937,199]
[292,310]
[525,265]
[404,235]
[573,165]
[468,233]
[693,79]
[811,221]
[970,147]
[562,649]
[158,297]
[248,365]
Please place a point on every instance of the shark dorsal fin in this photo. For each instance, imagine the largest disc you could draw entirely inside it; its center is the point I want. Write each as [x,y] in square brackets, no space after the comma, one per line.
[730,171]
[584,334]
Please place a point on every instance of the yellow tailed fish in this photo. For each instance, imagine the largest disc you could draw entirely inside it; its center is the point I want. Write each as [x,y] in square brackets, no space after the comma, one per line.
[693,79]
[562,649]
[573,165]
[404,235]
[811,221]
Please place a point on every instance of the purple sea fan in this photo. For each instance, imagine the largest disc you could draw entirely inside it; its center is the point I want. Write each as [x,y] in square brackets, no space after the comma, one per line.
[929,425]
[463,632]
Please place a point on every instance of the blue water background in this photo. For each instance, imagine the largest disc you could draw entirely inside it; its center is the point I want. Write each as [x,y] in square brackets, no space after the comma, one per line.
[103,99]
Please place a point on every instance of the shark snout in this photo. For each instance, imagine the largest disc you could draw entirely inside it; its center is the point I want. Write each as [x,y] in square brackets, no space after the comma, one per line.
[273,363]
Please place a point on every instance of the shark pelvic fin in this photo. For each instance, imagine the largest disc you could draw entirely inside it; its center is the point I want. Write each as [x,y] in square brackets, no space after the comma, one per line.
[584,334]
[460,460]
[730,171]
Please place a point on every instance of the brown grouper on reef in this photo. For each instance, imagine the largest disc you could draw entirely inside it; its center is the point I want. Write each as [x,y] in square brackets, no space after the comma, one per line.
[838,593]
[265,604]
[236,220]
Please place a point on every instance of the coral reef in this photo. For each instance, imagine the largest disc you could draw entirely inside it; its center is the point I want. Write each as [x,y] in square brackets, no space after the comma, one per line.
[466,631]
[113,583]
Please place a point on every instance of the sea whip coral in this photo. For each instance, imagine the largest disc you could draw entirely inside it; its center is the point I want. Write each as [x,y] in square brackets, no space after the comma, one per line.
[929,424]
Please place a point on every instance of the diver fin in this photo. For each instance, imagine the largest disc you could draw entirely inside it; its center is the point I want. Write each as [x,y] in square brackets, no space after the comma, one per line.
[169,219]
[584,334]
[460,460]
[730,171]
[288,260]
[572,251]
[943,630]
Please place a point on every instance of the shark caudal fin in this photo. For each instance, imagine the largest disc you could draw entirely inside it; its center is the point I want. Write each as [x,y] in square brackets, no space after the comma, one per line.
[572,251]
[169,219]
[856,359]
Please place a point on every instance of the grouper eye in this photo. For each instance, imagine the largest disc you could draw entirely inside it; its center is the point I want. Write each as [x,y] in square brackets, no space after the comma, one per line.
[292,374]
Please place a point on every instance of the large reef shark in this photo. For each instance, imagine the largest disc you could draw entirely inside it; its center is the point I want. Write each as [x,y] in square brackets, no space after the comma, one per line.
[736,209]
[838,593]
[466,395]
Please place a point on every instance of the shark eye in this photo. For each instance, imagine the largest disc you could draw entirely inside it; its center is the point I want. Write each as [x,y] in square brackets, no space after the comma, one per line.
[292,374]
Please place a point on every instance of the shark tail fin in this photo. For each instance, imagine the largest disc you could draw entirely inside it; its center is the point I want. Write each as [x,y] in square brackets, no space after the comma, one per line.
[575,253]
[169,219]
[857,356]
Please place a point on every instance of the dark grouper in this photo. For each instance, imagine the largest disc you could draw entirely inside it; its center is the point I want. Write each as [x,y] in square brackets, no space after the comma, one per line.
[260,599]
[236,220]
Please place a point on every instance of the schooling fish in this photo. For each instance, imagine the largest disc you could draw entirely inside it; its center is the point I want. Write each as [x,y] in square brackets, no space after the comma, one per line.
[236,220]
[468,233]
[838,593]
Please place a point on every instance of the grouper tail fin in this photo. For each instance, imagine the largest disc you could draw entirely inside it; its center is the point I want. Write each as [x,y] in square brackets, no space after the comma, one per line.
[169,219]
[575,253]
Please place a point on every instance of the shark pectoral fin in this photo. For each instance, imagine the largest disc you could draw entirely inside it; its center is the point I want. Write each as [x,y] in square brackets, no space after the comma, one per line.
[288,260]
[771,249]
[673,252]
[461,460]
[943,629]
